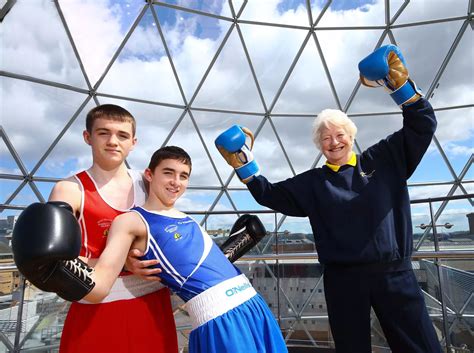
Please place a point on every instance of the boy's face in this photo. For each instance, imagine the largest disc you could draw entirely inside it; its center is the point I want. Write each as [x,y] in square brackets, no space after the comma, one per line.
[168,181]
[111,141]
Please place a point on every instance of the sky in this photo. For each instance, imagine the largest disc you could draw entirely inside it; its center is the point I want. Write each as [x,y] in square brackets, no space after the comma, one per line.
[35,44]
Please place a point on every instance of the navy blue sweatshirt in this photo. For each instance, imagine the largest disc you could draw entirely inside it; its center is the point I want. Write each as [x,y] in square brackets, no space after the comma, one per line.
[361,214]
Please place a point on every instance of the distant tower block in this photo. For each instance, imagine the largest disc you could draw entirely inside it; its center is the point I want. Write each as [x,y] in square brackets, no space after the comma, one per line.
[470,219]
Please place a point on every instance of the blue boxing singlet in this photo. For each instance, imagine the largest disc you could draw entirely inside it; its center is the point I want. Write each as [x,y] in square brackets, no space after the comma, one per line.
[189,259]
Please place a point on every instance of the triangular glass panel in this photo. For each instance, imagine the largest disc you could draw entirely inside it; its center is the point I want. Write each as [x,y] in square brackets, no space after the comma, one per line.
[455,133]
[223,204]
[33,49]
[8,165]
[343,68]
[219,225]
[196,200]
[143,70]
[186,137]
[212,124]
[49,110]
[455,86]
[417,11]
[295,135]
[45,188]
[372,128]
[307,89]
[71,154]
[244,201]
[106,24]
[354,13]
[431,168]
[210,7]
[230,77]
[269,155]
[425,55]
[282,12]
[9,186]
[186,34]
[24,197]
[270,59]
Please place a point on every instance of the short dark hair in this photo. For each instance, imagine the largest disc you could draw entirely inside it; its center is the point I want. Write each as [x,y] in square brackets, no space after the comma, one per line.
[111,112]
[169,152]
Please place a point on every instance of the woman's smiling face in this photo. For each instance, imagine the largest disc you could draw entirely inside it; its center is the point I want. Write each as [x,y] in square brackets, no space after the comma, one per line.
[336,144]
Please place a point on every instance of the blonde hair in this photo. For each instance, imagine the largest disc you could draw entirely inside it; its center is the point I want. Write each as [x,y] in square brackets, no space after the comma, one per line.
[334,117]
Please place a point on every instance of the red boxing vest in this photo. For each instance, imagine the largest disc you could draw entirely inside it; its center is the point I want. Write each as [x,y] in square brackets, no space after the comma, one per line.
[96,214]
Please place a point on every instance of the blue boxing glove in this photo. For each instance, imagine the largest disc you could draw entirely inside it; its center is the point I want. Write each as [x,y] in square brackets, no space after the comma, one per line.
[386,67]
[232,144]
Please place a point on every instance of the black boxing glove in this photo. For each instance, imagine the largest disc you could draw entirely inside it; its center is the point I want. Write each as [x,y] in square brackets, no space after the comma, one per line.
[246,232]
[46,243]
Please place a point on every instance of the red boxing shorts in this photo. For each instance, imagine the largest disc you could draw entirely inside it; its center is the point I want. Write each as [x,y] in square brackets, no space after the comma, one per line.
[139,325]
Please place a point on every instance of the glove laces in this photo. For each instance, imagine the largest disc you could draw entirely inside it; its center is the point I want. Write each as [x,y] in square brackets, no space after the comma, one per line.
[235,247]
[80,269]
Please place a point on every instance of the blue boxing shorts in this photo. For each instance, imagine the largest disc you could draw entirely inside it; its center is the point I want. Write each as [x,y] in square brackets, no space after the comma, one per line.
[232,317]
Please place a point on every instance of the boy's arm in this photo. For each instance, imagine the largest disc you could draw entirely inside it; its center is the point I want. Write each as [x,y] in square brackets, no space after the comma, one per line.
[68,190]
[124,231]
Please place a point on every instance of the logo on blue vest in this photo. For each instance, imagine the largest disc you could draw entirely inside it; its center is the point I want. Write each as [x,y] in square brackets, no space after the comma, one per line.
[235,290]
[171,228]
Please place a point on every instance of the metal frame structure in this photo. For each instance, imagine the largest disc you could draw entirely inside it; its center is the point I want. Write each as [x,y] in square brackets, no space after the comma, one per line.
[311,29]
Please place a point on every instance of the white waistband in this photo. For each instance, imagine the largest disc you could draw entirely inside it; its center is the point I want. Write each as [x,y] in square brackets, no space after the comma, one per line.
[129,287]
[219,299]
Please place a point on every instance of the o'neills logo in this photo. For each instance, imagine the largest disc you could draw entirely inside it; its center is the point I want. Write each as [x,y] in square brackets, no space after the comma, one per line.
[235,290]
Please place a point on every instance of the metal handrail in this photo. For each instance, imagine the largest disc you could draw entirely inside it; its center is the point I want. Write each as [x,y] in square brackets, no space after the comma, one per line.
[417,255]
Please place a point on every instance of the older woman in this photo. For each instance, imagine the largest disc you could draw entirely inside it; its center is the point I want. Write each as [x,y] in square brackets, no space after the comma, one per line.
[359,210]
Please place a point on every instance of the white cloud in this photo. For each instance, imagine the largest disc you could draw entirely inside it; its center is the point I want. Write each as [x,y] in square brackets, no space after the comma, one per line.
[96,32]
[457,150]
